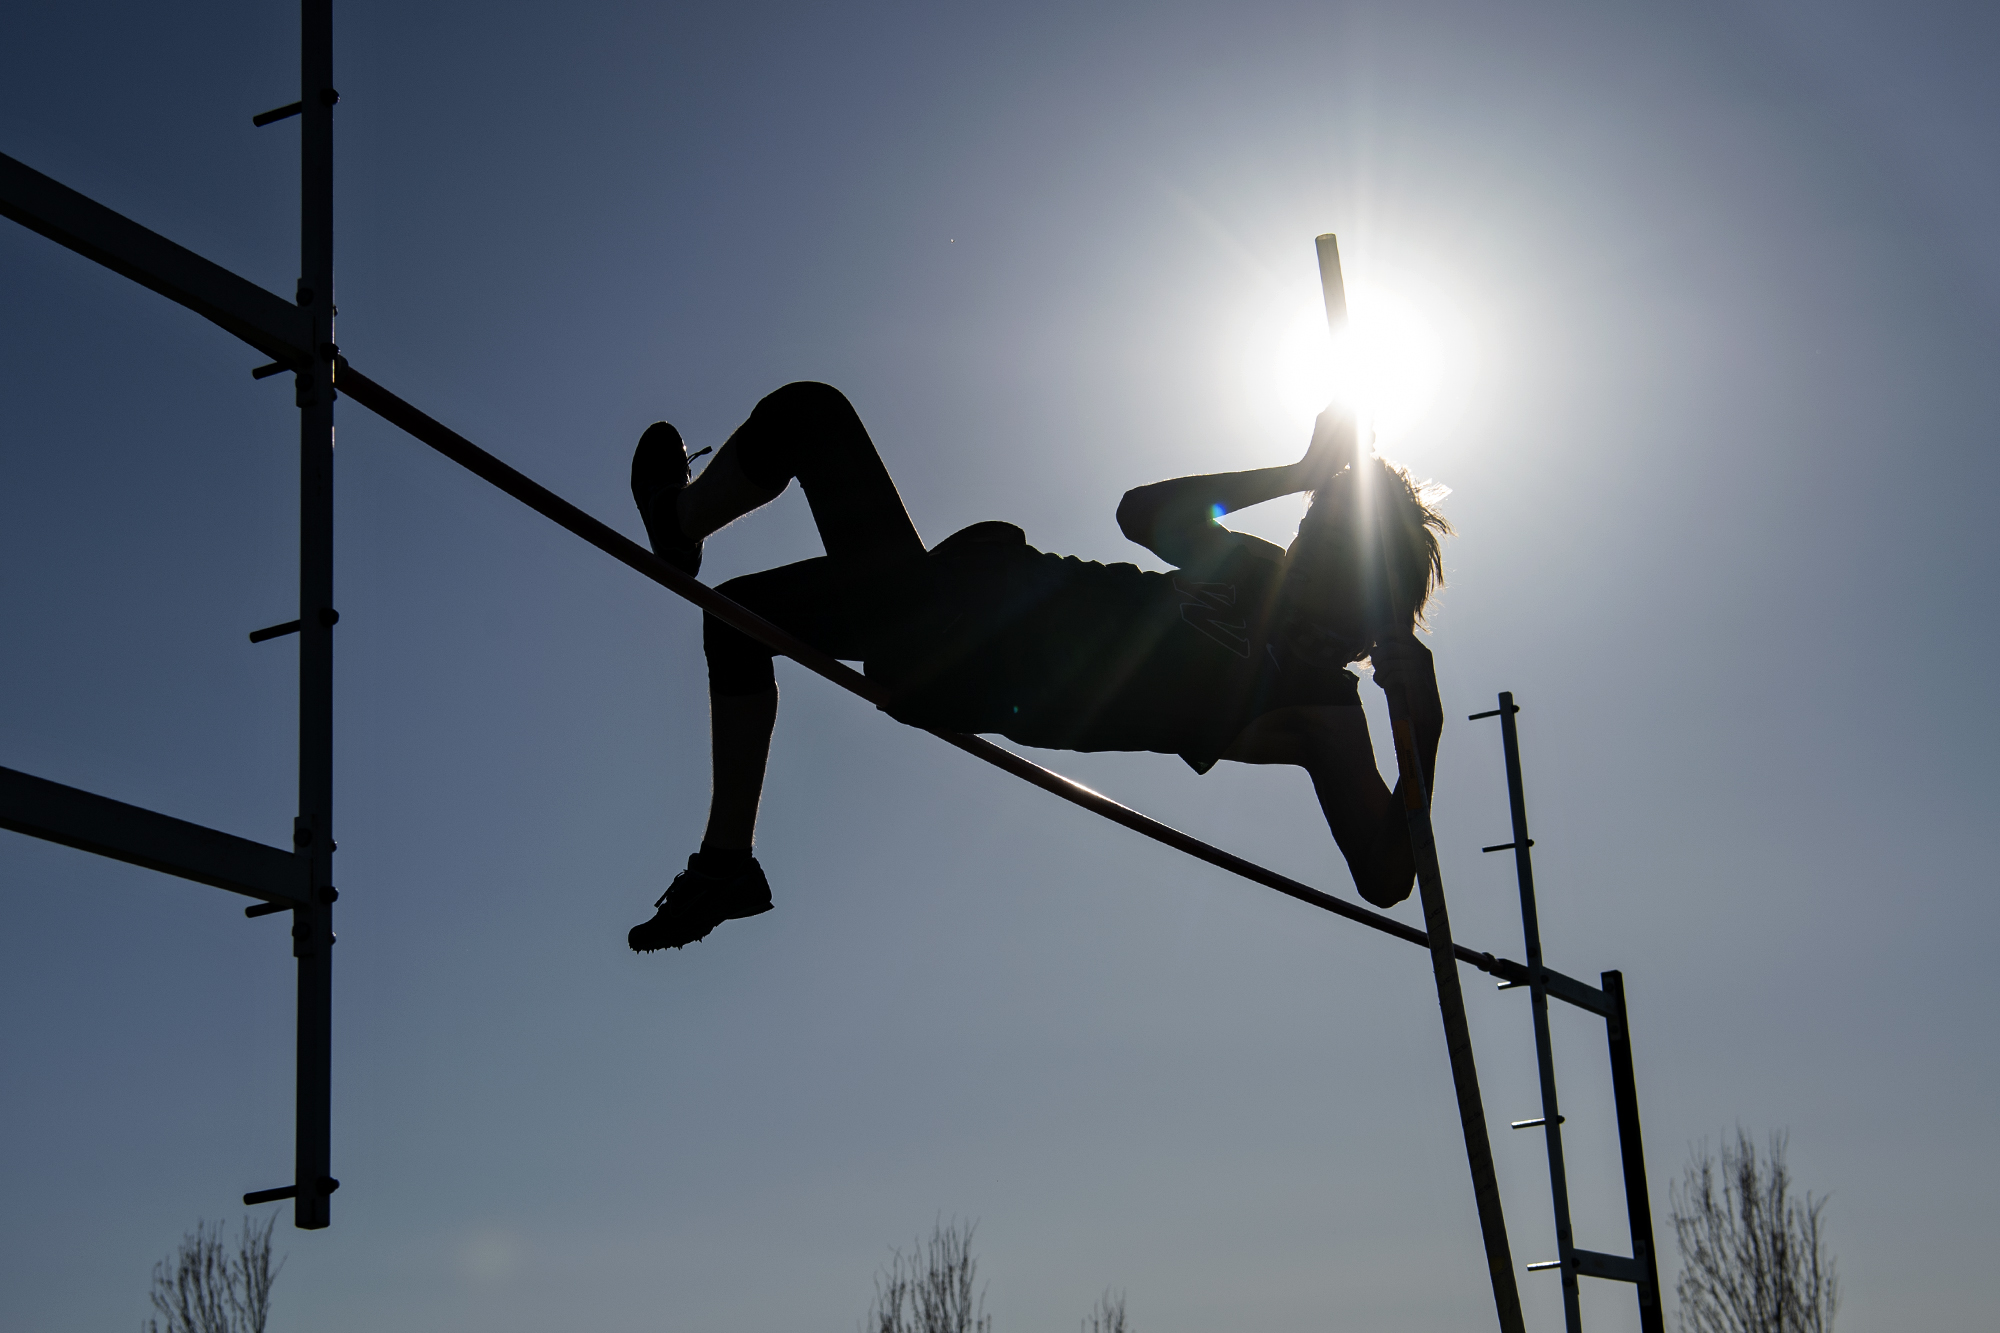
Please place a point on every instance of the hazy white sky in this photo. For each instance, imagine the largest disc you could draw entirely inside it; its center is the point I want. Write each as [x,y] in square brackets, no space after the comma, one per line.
[1711,293]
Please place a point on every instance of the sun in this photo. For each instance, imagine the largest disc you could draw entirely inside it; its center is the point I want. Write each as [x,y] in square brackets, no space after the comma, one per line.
[1392,367]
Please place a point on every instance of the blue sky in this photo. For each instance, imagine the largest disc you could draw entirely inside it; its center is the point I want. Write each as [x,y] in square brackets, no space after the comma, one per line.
[1717,287]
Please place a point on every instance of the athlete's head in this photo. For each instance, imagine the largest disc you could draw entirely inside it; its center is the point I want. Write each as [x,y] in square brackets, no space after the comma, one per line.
[1366,559]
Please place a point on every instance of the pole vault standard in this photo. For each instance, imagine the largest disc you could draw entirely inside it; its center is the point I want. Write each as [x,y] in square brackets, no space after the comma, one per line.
[1430,887]
[1642,1270]
[312,925]
[300,336]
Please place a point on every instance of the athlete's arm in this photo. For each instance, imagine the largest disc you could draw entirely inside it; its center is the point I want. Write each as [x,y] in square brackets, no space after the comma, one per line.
[1402,661]
[1331,743]
[1176,520]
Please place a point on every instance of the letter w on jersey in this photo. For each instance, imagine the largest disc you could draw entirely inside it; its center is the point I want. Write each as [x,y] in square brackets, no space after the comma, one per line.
[1211,608]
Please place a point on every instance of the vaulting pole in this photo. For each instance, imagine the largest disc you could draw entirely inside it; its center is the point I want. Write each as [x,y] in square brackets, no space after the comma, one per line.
[1437,924]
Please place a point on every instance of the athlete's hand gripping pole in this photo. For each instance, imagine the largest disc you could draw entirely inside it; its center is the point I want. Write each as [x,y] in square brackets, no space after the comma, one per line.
[1415,788]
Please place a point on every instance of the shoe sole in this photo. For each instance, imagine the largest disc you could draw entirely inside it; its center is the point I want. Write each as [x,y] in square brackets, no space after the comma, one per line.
[708,930]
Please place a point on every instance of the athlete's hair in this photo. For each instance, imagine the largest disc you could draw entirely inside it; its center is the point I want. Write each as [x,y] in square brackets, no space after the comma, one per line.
[1387,523]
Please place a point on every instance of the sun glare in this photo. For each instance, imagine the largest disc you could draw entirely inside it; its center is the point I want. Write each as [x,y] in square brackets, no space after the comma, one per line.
[1391,367]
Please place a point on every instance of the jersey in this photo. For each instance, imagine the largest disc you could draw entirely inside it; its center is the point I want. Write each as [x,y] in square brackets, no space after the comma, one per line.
[1061,653]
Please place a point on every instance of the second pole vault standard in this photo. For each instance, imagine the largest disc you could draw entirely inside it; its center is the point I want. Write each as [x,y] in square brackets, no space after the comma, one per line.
[1437,922]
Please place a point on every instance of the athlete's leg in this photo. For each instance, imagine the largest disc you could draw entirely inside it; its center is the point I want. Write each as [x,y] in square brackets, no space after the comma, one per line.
[841,608]
[723,881]
[739,741]
[839,604]
[811,432]
[719,496]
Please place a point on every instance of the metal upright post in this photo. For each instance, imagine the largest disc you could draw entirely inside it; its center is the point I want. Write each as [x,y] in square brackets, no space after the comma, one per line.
[1531,929]
[1437,925]
[312,925]
[1457,1035]
[1638,1200]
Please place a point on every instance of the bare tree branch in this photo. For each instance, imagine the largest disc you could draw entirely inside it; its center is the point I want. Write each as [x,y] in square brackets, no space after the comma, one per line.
[1108,1316]
[1753,1258]
[931,1289]
[205,1289]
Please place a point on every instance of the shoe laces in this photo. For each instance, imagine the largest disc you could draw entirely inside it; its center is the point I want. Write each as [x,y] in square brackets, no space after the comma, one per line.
[661,901]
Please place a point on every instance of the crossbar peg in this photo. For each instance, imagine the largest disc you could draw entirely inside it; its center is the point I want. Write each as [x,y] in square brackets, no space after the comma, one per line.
[270,632]
[327,1185]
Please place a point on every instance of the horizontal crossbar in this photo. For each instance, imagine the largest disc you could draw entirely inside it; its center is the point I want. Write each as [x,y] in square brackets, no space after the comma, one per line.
[623,549]
[43,809]
[272,325]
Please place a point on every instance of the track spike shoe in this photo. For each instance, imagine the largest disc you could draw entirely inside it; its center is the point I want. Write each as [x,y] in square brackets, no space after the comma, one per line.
[659,475]
[697,902]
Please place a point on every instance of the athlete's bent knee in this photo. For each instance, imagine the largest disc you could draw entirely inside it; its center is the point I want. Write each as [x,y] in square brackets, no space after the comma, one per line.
[808,400]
